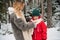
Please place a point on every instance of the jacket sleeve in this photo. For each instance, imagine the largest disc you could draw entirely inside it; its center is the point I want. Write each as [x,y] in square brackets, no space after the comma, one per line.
[21,24]
[44,30]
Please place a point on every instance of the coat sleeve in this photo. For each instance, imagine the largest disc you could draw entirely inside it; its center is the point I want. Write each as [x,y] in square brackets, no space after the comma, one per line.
[21,24]
[44,30]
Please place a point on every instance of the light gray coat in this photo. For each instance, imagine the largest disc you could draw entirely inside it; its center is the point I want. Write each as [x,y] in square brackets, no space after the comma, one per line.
[18,26]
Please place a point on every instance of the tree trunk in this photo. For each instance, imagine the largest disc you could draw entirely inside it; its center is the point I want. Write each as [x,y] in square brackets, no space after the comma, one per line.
[42,6]
[49,13]
[24,7]
[0,24]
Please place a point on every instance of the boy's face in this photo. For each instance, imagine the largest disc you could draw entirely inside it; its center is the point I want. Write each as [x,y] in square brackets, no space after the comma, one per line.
[35,17]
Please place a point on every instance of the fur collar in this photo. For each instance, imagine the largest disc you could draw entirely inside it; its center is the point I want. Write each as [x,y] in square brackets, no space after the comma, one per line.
[10,10]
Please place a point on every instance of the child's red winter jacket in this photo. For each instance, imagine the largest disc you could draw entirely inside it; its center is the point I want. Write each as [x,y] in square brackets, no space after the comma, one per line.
[40,32]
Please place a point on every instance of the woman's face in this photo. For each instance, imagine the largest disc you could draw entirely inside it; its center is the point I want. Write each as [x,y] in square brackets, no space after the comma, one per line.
[35,17]
[22,6]
[18,6]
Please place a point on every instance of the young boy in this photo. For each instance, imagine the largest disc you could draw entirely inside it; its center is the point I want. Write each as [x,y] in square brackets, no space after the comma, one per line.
[40,32]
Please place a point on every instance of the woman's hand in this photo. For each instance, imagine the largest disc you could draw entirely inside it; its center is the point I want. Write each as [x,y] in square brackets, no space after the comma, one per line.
[35,22]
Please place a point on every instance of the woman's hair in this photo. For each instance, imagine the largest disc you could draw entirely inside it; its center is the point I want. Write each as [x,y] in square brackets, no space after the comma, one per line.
[18,5]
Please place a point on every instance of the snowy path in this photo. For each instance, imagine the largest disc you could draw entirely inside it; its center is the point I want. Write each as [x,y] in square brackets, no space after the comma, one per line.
[53,34]
[7,37]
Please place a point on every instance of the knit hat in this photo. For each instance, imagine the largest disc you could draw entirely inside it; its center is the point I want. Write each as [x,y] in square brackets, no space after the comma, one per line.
[36,12]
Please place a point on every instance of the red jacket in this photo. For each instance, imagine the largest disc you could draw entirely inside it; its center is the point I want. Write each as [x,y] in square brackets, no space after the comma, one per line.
[40,32]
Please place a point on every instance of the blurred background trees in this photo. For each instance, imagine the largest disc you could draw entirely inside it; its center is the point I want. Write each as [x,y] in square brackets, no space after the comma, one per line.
[47,8]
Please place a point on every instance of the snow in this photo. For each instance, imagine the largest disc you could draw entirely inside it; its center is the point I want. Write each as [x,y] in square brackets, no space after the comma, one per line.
[58,13]
[57,8]
[10,10]
[5,31]
[6,28]
[7,37]
[52,34]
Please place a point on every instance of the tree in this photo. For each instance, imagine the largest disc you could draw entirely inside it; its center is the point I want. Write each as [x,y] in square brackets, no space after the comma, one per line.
[42,8]
[3,11]
[49,13]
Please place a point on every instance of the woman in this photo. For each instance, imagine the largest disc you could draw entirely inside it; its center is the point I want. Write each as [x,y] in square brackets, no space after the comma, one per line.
[21,28]
[40,32]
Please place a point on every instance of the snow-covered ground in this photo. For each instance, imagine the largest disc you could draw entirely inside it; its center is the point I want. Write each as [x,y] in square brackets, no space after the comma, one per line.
[6,28]
[7,37]
[52,34]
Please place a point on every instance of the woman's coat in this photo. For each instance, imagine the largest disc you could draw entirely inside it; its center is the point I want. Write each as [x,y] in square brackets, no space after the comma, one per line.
[20,28]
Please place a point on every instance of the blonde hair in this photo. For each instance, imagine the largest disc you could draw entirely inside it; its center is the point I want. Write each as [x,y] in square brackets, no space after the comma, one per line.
[17,6]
